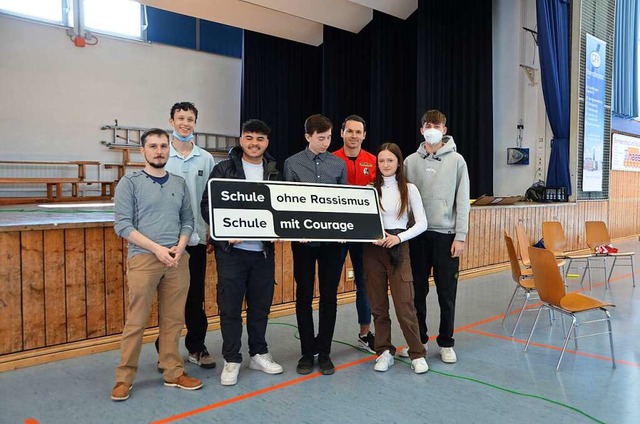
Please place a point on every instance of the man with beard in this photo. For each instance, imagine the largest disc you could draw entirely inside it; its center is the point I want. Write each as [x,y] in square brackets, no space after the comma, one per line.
[153,212]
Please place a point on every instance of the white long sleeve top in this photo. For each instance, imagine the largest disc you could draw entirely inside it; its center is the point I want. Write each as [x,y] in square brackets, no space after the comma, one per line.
[391,203]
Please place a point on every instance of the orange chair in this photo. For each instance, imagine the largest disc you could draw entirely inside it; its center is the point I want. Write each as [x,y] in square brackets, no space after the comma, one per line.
[522,283]
[556,242]
[551,290]
[597,235]
[523,245]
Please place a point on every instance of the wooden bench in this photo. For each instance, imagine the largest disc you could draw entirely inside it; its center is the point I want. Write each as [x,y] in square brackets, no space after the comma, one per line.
[81,164]
[55,186]
[122,167]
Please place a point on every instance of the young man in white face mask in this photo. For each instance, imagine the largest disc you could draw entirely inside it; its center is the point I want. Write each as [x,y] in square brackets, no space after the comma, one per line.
[194,165]
[441,175]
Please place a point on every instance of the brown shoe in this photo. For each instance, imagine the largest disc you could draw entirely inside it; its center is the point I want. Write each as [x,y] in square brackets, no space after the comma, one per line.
[121,391]
[184,382]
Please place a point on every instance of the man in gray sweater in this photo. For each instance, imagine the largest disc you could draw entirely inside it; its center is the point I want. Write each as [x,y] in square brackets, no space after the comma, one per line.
[441,175]
[153,212]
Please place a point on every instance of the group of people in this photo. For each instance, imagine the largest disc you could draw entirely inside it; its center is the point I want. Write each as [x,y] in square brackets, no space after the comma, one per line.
[163,212]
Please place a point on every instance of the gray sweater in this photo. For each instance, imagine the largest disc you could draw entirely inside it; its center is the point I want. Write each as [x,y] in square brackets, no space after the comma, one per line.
[161,213]
[443,182]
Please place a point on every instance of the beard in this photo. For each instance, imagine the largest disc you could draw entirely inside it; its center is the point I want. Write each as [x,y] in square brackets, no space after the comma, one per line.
[158,164]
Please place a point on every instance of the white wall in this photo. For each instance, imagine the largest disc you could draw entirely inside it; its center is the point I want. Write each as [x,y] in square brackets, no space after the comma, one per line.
[54,97]
[515,98]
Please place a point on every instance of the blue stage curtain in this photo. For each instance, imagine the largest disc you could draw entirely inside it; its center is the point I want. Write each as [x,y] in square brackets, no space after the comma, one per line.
[625,66]
[553,45]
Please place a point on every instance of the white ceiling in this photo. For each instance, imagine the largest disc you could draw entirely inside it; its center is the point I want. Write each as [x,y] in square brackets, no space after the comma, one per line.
[297,20]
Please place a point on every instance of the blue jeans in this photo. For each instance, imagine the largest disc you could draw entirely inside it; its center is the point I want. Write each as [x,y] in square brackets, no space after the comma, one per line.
[362,303]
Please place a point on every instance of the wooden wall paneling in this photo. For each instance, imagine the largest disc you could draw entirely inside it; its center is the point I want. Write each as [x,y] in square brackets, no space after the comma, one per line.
[576,223]
[624,196]
[210,286]
[472,236]
[491,231]
[506,225]
[95,278]
[115,288]
[486,237]
[288,283]
[464,259]
[75,290]
[485,241]
[32,251]
[54,287]
[476,254]
[10,293]
[277,289]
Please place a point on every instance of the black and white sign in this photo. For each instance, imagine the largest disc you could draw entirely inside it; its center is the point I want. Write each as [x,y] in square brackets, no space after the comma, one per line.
[270,210]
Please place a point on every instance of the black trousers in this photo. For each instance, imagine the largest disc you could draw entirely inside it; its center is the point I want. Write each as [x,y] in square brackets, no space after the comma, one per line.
[244,274]
[328,258]
[194,315]
[432,250]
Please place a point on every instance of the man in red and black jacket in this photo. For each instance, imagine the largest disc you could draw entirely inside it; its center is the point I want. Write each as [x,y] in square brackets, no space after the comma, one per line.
[361,171]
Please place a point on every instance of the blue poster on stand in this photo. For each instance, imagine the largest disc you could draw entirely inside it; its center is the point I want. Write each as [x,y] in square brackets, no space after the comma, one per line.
[594,91]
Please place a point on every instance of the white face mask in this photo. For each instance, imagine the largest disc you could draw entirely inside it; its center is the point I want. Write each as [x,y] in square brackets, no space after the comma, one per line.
[432,136]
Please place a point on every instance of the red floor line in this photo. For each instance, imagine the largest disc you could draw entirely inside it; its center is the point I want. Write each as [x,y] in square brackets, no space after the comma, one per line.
[558,348]
[465,328]
[249,395]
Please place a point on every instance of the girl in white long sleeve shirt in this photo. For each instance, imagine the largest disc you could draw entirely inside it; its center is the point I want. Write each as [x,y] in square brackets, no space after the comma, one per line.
[386,261]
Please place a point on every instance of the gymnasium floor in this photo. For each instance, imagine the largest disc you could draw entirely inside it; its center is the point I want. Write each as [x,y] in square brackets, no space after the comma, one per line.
[494,381]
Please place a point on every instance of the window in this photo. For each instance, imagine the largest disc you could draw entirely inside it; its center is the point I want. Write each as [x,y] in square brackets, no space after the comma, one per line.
[116,17]
[43,10]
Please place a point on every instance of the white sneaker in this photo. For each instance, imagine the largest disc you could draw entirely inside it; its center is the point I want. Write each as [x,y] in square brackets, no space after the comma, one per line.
[265,363]
[230,372]
[404,352]
[384,361]
[419,366]
[448,355]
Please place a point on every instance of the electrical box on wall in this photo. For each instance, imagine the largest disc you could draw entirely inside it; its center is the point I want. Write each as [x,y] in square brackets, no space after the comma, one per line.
[517,156]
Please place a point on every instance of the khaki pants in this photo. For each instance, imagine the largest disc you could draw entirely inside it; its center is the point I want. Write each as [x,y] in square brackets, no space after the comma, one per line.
[379,271]
[146,275]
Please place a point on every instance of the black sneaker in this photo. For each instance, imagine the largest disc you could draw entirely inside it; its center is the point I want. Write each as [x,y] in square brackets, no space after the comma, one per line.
[325,364]
[305,365]
[367,342]
[204,359]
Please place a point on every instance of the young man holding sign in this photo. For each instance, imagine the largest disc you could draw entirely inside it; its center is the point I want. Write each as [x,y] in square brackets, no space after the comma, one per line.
[246,269]
[316,165]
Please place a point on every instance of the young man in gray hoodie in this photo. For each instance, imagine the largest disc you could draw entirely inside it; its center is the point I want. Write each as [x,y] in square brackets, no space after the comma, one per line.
[441,175]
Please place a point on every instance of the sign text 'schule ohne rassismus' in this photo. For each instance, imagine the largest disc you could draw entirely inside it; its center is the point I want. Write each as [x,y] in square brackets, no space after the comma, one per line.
[250,210]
